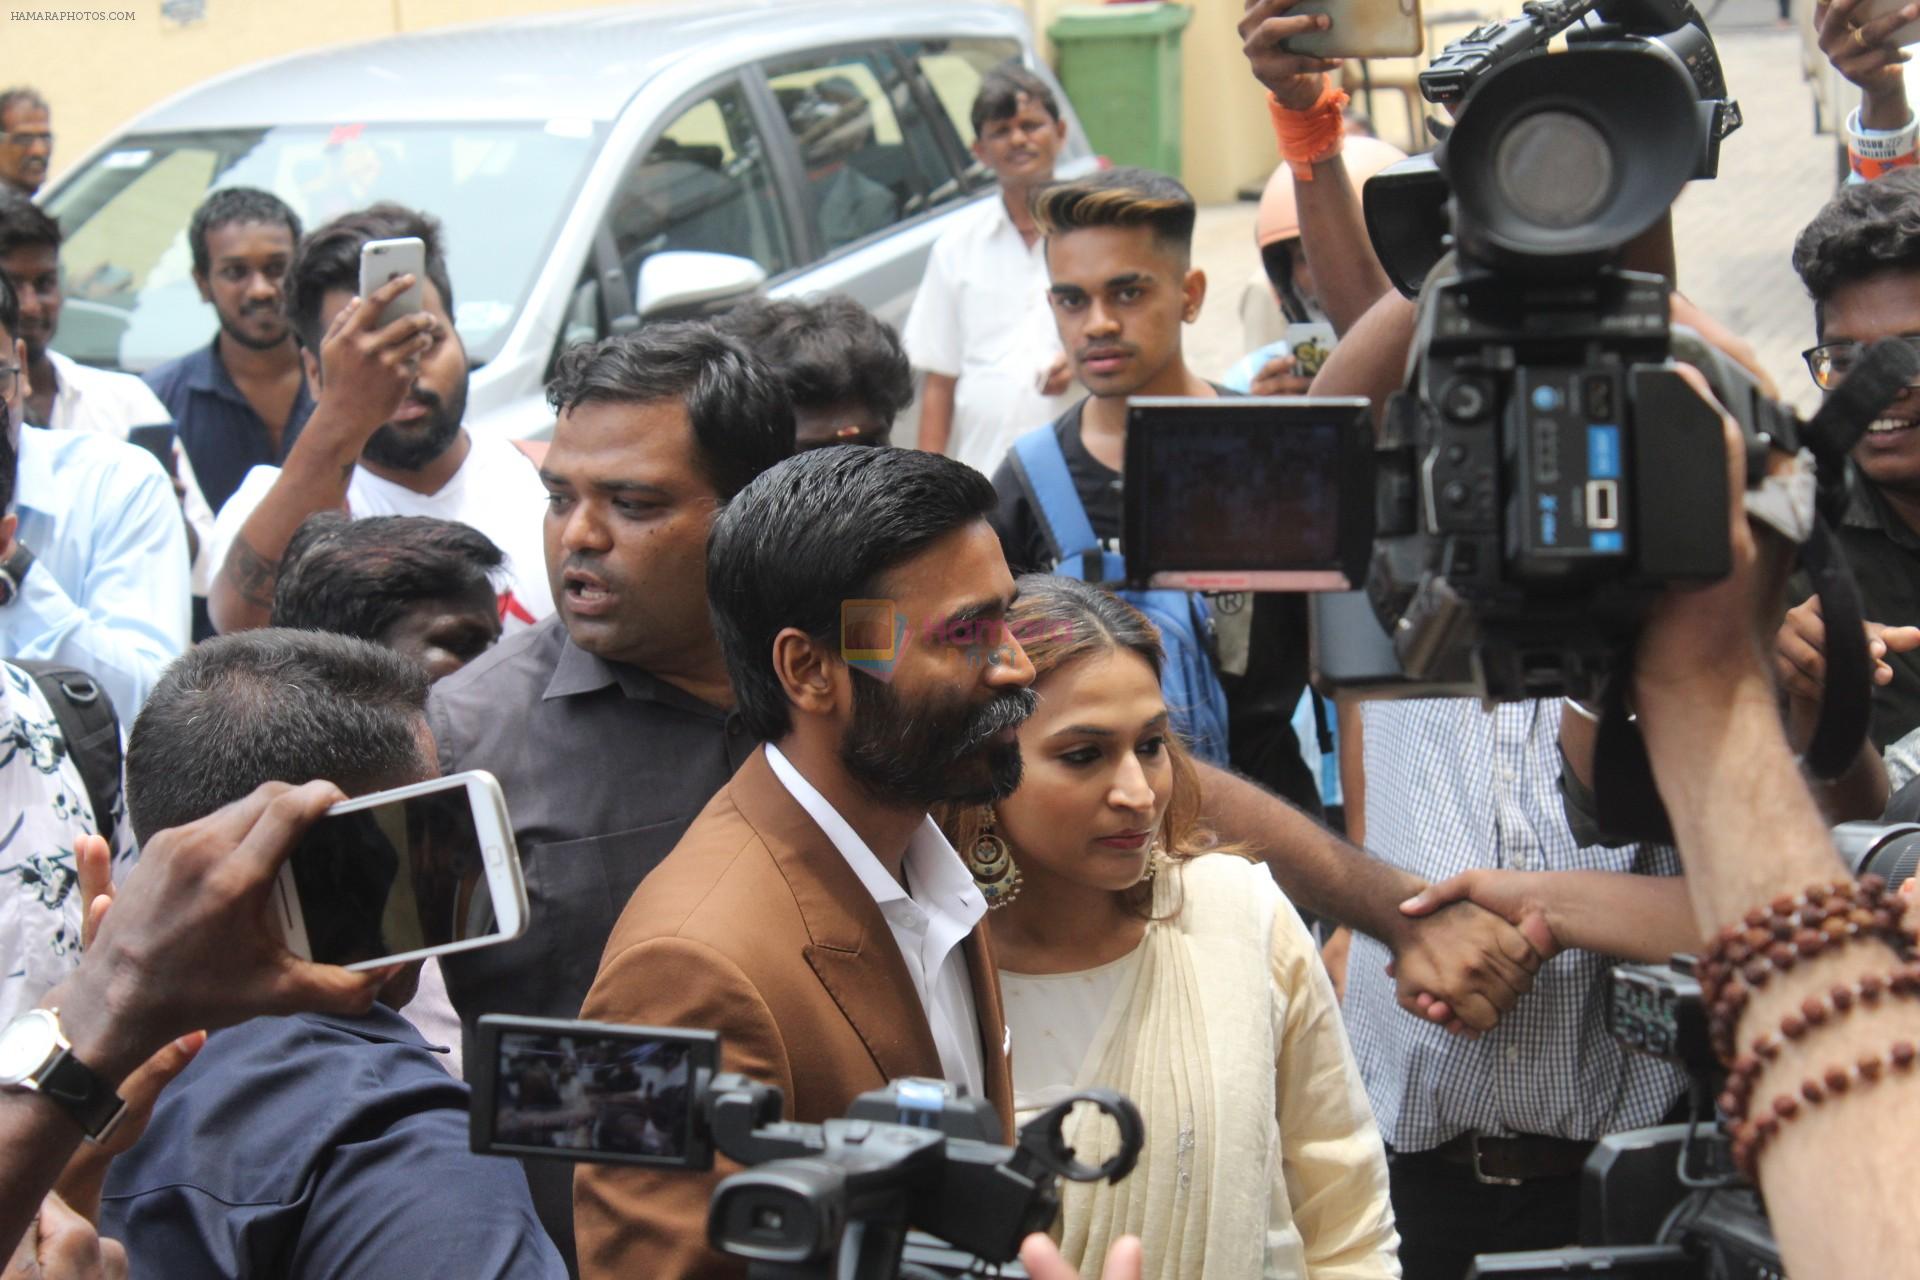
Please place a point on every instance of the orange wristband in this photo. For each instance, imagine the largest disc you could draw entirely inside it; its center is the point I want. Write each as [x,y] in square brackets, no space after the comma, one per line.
[1315,134]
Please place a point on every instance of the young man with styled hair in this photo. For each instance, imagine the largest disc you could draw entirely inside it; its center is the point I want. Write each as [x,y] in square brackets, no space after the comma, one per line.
[1122,289]
[979,327]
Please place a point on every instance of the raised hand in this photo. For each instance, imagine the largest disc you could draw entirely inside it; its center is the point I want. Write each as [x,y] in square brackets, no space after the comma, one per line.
[1295,80]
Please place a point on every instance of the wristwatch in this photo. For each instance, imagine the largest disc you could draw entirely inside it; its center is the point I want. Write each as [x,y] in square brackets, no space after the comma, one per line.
[35,1055]
[13,571]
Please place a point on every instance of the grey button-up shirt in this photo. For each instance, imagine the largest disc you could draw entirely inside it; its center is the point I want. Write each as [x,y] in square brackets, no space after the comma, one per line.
[604,766]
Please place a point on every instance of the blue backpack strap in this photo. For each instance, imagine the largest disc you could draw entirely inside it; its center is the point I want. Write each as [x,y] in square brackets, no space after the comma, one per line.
[1042,468]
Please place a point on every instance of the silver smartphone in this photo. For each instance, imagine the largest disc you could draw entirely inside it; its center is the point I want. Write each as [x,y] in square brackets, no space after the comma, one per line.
[381,261]
[404,874]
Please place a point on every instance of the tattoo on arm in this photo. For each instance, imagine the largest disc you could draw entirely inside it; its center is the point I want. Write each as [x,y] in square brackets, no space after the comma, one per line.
[251,574]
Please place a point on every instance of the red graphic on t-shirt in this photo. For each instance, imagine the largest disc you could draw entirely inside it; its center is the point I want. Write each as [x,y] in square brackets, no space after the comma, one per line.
[512,608]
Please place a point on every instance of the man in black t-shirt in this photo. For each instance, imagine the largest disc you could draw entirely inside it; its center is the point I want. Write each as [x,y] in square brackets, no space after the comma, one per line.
[1119,256]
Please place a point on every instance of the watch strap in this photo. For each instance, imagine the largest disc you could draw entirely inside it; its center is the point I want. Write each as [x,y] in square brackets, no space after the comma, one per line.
[13,571]
[90,1100]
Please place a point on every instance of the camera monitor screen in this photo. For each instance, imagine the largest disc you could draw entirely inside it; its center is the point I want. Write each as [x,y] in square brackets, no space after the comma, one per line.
[1248,494]
[592,1091]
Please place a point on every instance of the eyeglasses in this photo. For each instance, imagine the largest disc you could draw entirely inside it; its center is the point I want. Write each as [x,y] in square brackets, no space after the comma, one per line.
[25,140]
[1831,362]
[8,374]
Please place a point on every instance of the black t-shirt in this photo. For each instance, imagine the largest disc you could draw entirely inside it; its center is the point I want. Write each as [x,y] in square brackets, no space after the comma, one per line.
[1260,702]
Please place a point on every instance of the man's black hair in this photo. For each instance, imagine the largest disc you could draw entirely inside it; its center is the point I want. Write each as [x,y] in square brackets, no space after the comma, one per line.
[231,205]
[826,352]
[21,96]
[273,706]
[819,529]
[24,224]
[329,258]
[1001,90]
[742,421]
[9,317]
[1122,197]
[359,577]
[1865,230]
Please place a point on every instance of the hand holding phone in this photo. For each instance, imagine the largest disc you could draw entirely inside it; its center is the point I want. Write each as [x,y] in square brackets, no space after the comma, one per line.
[405,874]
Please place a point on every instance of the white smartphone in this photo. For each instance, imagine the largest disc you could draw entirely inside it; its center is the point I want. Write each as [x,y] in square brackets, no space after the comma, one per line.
[381,261]
[404,874]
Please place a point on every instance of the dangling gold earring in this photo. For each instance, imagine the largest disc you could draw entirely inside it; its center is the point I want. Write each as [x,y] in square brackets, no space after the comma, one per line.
[1154,856]
[991,863]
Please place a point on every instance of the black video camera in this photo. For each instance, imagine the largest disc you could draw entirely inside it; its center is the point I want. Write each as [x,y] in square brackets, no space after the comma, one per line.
[838,1199]
[1662,1203]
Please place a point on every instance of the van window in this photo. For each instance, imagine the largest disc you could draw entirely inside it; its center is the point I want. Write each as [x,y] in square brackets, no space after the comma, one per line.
[869,158]
[954,69]
[704,185]
[499,190]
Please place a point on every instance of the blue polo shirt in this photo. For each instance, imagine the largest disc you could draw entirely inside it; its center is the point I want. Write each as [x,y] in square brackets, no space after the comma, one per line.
[315,1145]
[221,433]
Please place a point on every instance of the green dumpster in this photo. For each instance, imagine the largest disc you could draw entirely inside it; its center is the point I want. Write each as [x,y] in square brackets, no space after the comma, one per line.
[1120,65]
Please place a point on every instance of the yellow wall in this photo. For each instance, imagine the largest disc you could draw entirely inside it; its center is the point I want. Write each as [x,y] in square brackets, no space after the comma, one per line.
[97,74]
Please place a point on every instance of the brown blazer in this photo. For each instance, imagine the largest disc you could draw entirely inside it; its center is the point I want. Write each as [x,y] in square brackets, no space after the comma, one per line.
[755,927]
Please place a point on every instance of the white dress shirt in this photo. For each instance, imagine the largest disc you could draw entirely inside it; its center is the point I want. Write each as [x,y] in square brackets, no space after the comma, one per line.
[929,918]
[100,400]
[981,317]
[109,588]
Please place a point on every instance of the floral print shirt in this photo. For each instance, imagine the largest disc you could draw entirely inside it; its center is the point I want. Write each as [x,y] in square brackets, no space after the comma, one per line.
[43,809]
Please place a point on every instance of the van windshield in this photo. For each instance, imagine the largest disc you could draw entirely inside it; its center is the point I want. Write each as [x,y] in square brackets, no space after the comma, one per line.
[499,190]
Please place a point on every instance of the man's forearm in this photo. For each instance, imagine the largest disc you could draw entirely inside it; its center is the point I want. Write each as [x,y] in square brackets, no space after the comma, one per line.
[1333,232]
[1633,917]
[936,412]
[314,479]
[1318,870]
[1371,360]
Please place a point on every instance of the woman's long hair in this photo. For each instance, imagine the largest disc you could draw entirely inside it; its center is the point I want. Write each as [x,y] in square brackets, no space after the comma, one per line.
[1059,621]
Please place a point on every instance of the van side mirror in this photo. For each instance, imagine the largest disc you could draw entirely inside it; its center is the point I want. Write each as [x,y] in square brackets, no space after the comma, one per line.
[682,280]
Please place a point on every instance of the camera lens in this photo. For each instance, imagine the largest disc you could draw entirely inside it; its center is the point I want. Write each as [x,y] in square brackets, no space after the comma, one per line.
[1555,169]
[1888,850]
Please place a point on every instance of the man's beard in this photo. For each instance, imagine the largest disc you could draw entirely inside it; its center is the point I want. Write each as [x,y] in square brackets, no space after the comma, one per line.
[935,752]
[251,343]
[413,447]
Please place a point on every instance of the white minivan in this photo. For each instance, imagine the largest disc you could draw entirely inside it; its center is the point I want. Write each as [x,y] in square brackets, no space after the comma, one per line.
[591,170]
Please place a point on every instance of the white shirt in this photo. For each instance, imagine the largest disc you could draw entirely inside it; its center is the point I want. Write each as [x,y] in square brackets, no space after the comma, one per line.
[981,317]
[45,807]
[496,490]
[1053,1020]
[113,404]
[929,919]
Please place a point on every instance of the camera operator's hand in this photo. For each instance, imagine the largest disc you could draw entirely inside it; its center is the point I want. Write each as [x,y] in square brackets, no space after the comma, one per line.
[190,942]
[1277,378]
[1463,966]
[366,371]
[1295,80]
[1041,1257]
[62,1245]
[1864,53]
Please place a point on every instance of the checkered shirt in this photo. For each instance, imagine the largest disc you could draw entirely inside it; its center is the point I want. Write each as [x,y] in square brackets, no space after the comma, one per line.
[1451,787]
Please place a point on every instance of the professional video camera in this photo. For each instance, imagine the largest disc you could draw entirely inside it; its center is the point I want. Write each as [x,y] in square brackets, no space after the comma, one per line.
[1662,1203]
[838,1199]
[1665,1202]
[1547,471]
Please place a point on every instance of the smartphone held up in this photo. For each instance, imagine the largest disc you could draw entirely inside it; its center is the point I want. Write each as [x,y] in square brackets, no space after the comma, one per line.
[1360,29]
[382,261]
[405,874]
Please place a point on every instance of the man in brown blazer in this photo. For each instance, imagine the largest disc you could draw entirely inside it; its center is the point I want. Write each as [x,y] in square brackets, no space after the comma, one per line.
[813,914]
